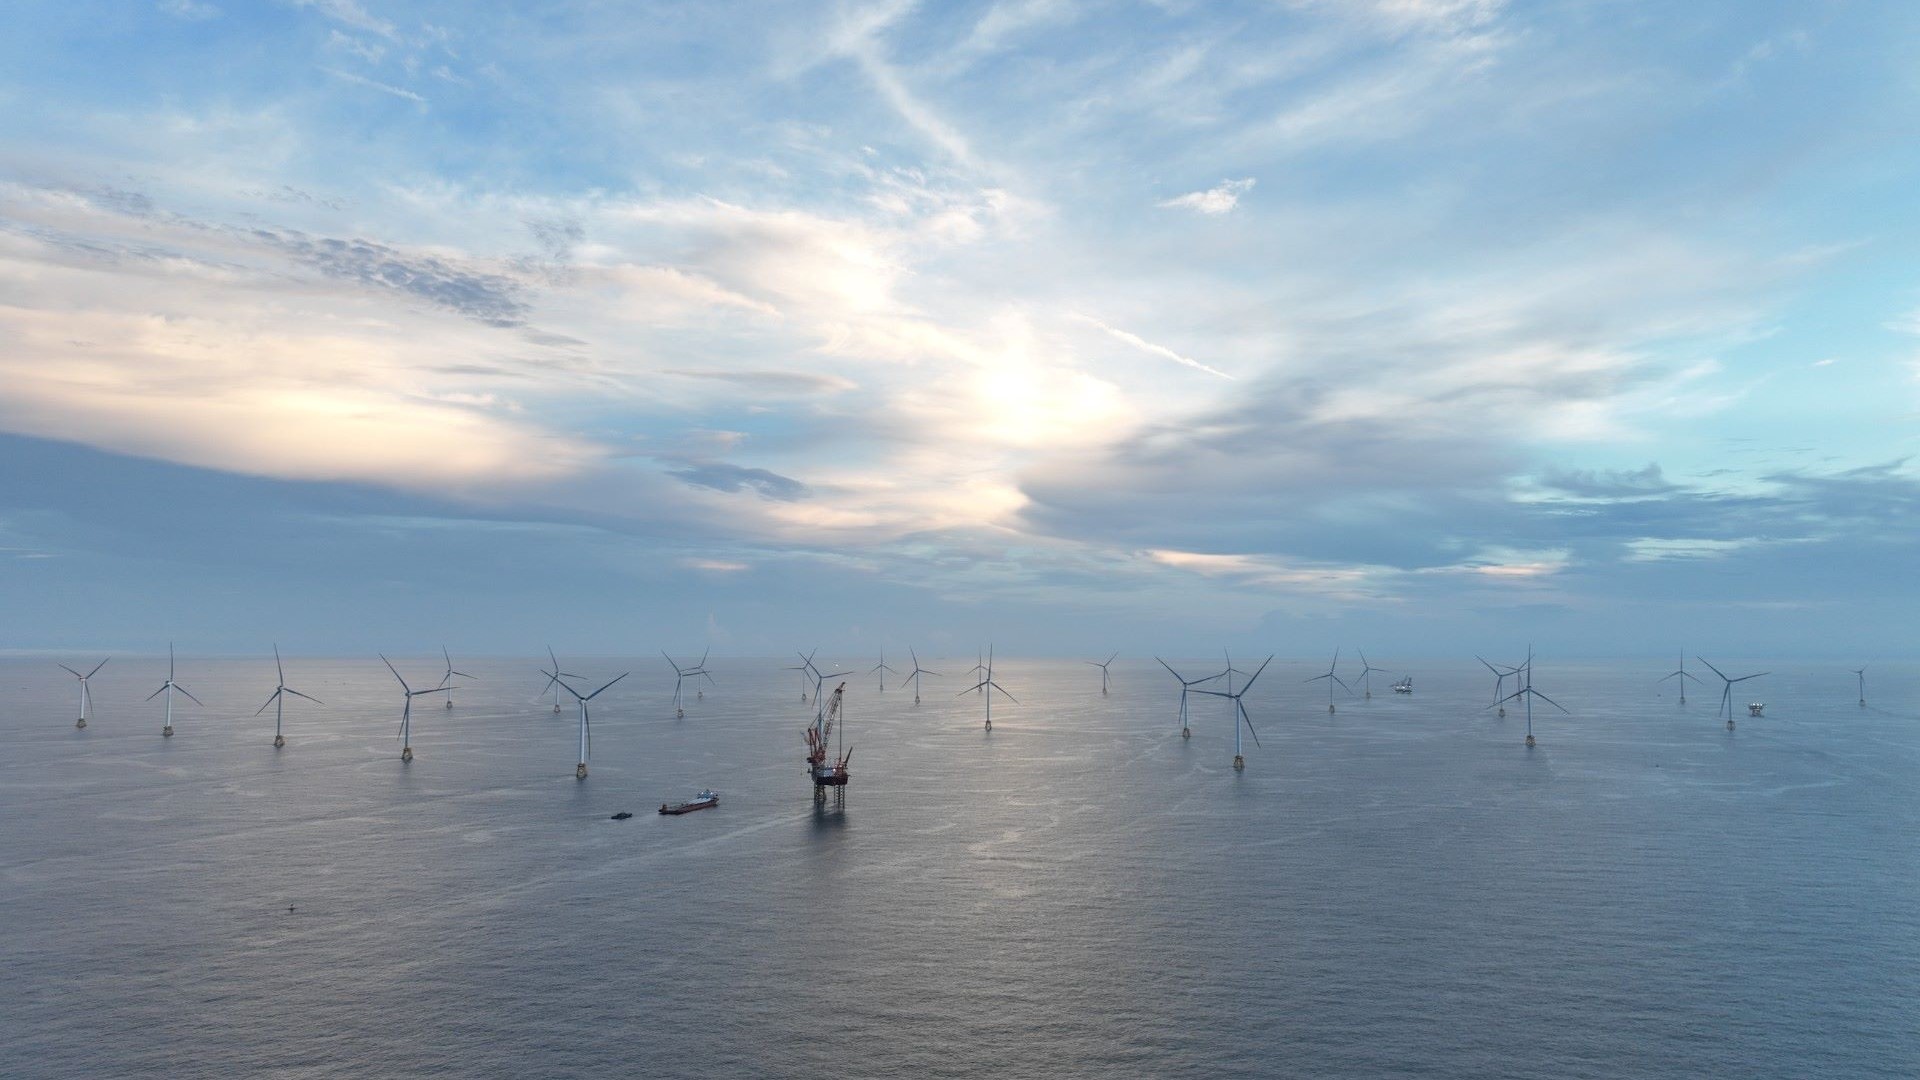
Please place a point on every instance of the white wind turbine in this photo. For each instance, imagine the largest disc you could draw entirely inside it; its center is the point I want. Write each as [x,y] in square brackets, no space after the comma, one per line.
[1683,675]
[987,686]
[586,730]
[680,675]
[1366,669]
[86,697]
[1528,693]
[1186,684]
[915,675]
[168,688]
[279,698]
[1238,711]
[406,713]
[446,681]
[883,671]
[1102,665]
[806,669]
[1500,677]
[1726,691]
[554,677]
[1332,678]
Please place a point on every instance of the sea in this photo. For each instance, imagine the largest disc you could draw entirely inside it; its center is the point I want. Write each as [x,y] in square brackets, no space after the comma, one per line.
[1398,888]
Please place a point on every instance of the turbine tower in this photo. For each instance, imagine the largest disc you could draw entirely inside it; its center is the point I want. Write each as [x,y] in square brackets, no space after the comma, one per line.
[987,686]
[86,697]
[681,674]
[586,731]
[883,671]
[1102,665]
[554,677]
[406,713]
[279,699]
[1186,684]
[1526,691]
[1726,690]
[446,681]
[1683,675]
[1238,711]
[915,675]
[1331,679]
[168,688]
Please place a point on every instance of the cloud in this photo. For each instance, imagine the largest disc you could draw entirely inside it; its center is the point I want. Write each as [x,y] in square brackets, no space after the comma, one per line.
[733,478]
[774,382]
[189,10]
[351,13]
[493,299]
[1608,483]
[1219,199]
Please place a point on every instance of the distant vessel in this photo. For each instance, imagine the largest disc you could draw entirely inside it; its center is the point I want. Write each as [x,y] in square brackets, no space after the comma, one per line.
[826,774]
[704,801]
[623,815]
[1755,708]
[1404,686]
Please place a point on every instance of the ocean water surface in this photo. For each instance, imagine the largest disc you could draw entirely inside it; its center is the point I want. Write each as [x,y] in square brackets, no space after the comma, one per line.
[1396,889]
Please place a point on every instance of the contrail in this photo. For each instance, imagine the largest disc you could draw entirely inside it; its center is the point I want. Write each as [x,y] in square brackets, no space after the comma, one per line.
[1144,345]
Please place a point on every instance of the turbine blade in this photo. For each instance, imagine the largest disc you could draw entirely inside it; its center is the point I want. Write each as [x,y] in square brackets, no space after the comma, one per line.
[1336,679]
[1170,670]
[156,693]
[70,671]
[1709,664]
[97,667]
[270,698]
[1248,685]
[1003,690]
[297,693]
[1546,699]
[1248,719]
[190,696]
[615,679]
[396,672]
[277,666]
[970,689]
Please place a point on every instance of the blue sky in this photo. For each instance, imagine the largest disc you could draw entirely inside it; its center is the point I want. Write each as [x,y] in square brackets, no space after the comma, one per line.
[1424,325]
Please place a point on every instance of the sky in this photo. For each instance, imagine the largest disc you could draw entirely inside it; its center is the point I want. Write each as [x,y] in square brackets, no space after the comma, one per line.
[1423,326]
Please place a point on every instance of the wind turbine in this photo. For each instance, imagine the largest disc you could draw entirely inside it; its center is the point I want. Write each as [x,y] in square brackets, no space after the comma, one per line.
[680,674]
[1500,678]
[586,732]
[1239,711]
[1529,693]
[1726,691]
[1102,665]
[883,671]
[86,698]
[446,681]
[554,677]
[279,699]
[406,714]
[915,676]
[1332,679]
[1683,675]
[1859,673]
[977,669]
[1186,684]
[1366,669]
[987,686]
[168,688]
[805,665]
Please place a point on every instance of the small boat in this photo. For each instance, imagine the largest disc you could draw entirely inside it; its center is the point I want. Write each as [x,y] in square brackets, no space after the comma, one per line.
[623,815]
[1756,708]
[703,801]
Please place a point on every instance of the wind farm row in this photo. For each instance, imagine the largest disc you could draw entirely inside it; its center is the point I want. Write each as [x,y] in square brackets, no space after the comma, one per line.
[1512,684]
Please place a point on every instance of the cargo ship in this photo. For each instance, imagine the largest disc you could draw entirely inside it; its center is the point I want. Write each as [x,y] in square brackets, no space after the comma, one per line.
[706,800]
